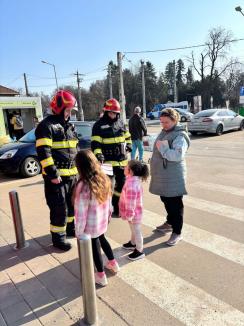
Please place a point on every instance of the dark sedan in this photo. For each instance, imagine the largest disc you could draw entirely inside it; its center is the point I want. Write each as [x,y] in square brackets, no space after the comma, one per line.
[21,157]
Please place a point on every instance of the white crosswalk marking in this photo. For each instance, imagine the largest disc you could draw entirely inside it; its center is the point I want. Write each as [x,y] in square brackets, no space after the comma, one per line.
[218,187]
[186,302]
[214,243]
[215,208]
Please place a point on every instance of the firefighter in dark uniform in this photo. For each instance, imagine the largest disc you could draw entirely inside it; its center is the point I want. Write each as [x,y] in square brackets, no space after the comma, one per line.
[110,143]
[56,145]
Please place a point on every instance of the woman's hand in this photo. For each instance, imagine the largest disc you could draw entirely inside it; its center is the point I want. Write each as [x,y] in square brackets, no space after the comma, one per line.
[161,142]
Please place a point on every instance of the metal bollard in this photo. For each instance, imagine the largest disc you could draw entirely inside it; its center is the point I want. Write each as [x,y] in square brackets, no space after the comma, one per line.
[17,219]
[87,279]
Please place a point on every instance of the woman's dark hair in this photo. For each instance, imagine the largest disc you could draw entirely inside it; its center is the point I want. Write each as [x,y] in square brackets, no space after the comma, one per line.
[139,169]
[90,172]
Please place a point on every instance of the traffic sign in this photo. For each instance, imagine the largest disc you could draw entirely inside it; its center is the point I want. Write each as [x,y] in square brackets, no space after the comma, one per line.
[241,95]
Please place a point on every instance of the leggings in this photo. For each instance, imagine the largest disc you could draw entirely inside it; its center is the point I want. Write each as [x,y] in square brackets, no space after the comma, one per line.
[97,243]
[136,236]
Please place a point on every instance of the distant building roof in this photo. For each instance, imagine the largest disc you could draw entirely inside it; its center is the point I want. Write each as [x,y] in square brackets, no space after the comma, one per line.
[5,91]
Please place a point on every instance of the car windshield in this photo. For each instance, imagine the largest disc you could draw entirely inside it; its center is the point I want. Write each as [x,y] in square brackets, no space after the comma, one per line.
[83,130]
[29,137]
[206,113]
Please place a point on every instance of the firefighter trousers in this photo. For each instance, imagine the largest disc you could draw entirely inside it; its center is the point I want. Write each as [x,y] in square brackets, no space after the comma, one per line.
[59,201]
[118,181]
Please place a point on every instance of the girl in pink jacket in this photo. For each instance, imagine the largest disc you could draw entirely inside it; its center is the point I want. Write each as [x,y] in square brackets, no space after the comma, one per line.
[130,206]
[93,210]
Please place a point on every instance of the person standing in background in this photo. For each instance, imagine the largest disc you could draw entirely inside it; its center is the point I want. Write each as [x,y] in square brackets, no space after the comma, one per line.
[137,129]
[18,125]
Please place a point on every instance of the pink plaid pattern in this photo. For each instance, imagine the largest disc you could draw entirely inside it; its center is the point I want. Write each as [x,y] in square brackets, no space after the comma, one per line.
[90,216]
[130,203]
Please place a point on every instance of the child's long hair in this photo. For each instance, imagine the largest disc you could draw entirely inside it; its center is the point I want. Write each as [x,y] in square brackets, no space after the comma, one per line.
[139,169]
[90,172]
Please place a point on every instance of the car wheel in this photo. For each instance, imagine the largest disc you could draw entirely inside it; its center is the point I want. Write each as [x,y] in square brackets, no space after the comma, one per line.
[30,167]
[194,133]
[183,119]
[219,130]
[242,125]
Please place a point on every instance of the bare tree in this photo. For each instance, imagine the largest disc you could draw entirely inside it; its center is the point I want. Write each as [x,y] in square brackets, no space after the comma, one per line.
[213,61]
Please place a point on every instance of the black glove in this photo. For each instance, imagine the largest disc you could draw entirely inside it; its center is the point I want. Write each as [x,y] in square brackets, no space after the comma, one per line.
[128,148]
[100,158]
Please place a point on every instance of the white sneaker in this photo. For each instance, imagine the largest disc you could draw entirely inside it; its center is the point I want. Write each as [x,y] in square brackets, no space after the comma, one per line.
[174,239]
[101,279]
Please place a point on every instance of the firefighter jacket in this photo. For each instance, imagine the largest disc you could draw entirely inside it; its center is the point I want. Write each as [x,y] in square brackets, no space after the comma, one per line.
[111,139]
[56,145]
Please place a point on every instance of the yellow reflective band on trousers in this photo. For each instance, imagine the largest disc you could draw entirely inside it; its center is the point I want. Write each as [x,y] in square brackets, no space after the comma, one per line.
[128,141]
[113,140]
[96,138]
[48,161]
[57,229]
[116,193]
[116,163]
[70,219]
[65,172]
[44,142]
[64,144]
[97,151]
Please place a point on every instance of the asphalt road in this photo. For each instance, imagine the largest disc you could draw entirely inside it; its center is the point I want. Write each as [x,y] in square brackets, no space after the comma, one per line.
[201,280]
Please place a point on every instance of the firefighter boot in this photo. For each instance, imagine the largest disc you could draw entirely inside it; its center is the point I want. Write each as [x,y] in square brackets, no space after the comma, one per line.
[70,229]
[60,242]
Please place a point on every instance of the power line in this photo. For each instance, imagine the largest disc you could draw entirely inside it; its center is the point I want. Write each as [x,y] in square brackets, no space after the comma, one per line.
[96,70]
[14,80]
[41,77]
[178,48]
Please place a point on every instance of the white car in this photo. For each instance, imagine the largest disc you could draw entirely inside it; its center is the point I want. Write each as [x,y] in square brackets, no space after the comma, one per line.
[215,121]
[184,115]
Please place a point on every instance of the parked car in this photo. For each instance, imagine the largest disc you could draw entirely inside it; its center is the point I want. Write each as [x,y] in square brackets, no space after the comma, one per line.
[215,121]
[21,157]
[184,115]
[156,111]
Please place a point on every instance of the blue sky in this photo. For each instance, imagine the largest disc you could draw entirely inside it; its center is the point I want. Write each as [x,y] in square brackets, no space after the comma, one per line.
[87,34]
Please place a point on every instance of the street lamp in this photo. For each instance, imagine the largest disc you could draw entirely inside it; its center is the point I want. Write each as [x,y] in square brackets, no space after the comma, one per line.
[239,9]
[51,64]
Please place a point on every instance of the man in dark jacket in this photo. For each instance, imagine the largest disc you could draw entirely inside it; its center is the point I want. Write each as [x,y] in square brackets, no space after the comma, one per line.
[56,145]
[137,129]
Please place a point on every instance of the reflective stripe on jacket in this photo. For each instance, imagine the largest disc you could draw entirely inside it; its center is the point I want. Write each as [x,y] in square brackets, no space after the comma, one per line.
[110,139]
[56,145]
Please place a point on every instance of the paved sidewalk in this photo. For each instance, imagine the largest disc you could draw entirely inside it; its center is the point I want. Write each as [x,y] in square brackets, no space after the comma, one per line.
[40,285]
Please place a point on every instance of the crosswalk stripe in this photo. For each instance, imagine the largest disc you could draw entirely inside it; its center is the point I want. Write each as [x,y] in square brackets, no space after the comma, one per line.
[219,245]
[218,187]
[181,299]
[215,208]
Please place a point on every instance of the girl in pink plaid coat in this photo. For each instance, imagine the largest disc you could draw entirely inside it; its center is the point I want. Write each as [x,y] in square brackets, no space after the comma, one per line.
[93,210]
[131,208]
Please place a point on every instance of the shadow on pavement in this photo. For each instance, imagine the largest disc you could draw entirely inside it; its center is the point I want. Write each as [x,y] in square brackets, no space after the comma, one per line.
[32,184]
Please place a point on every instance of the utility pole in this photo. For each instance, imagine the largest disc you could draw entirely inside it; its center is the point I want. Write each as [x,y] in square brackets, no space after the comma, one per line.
[121,87]
[80,109]
[26,86]
[175,88]
[143,90]
[110,83]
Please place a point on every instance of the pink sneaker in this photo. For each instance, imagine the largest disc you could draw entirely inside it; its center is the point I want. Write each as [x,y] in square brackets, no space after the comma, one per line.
[113,266]
[101,278]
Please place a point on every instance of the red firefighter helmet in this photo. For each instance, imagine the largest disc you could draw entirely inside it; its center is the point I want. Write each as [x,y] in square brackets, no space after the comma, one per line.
[63,100]
[112,105]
